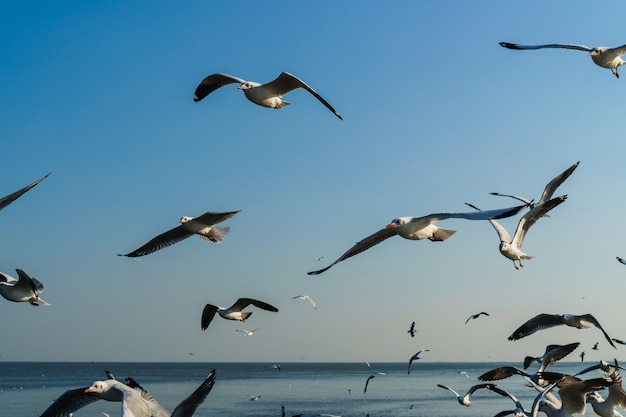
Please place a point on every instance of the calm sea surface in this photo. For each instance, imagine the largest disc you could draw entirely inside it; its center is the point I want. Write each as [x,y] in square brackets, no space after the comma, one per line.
[27,389]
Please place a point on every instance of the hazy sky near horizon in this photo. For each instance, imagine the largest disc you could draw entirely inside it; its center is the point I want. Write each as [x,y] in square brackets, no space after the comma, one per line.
[435,112]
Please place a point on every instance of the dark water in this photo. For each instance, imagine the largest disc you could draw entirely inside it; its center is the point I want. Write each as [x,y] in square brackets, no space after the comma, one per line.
[27,389]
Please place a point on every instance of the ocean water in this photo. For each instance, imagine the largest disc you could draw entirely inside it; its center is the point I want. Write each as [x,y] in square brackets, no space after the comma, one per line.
[27,389]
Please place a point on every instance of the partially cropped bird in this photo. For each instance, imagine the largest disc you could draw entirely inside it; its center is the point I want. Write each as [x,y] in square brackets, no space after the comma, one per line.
[23,289]
[5,201]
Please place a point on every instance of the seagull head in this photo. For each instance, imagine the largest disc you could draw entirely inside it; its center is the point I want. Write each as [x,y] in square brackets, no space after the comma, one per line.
[598,50]
[184,219]
[247,85]
[397,222]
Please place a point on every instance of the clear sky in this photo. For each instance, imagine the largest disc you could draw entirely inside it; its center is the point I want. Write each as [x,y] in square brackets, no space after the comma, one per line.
[435,112]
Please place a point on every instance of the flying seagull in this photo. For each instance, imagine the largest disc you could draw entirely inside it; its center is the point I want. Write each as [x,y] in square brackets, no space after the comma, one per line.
[203,225]
[5,201]
[418,228]
[306,297]
[23,289]
[266,95]
[602,56]
[247,332]
[415,357]
[475,316]
[367,381]
[411,330]
[512,248]
[465,399]
[233,312]
[552,354]
[135,400]
[545,321]
[548,191]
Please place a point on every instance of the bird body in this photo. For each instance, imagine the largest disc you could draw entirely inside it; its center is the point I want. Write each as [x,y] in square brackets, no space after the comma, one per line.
[233,312]
[23,289]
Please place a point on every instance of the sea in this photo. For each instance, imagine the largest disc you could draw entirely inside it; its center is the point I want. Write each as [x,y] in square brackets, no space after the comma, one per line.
[28,388]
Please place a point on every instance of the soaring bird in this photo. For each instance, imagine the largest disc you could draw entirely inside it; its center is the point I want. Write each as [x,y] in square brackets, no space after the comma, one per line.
[247,332]
[136,402]
[233,312]
[545,321]
[203,225]
[602,56]
[5,201]
[411,330]
[415,357]
[266,95]
[23,289]
[465,399]
[475,316]
[552,354]
[418,228]
[367,381]
[306,297]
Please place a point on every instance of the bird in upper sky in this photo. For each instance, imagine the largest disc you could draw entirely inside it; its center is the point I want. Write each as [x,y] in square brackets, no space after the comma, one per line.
[136,401]
[475,316]
[5,201]
[367,381]
[415,357]
[306,297]
[545,321]
[233,312]
[266,95]
[465,399]
[602,56]
[23,289]
[411,330]
[418,228]
[203,225]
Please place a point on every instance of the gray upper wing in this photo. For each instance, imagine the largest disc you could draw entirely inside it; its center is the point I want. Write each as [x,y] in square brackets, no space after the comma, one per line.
[212,83]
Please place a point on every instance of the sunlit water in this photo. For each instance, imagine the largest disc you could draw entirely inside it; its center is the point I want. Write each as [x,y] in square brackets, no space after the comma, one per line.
[27,389]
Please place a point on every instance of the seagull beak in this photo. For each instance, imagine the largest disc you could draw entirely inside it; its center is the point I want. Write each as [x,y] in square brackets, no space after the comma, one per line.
[390,226]
[88,390]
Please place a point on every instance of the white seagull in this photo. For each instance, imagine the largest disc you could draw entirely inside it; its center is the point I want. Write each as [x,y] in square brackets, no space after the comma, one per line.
[233,312]
[136,402]
[266,95]
[465,399]
[23,289]
[5,201]
[306,297]
[545,321]
[248,332]
[203,225]
[602,56]
[418,228]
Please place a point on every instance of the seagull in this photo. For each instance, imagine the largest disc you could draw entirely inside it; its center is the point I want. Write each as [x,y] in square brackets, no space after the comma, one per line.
[415,357]
[266,95]
[595,347]
[602,56]
[465,399]
[233,312]
[248,332]
[203,225]
[306,297]
[582,356]
[552,354]
[254,397]
[606,407]
[464,373]
[367,381]
[544,321]
[136,402]
[503,372]
[512,248]
[23,289]
[573,394]
[548,191]
[411,330]
[519,410]
[621,260]
[5,201]
[276,366]
[475,316]
[418,228]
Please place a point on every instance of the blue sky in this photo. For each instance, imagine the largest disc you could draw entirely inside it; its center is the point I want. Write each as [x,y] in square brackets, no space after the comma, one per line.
[435,113]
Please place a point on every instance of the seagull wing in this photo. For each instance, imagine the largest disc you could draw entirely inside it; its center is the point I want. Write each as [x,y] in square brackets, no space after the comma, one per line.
[615,52]
[551,45]
[242,303]
[189,405]
[449,389]
[287,82]
[212,83]
[5,201]
[69,402]
[503,235]
[210,218]
[522,199]
[539,322]
[591,319]
[501,373]
[556,182]
[361,246]
[161,241]
[207,315]
[531,218]
[25,282]
[472,215]
[621,260]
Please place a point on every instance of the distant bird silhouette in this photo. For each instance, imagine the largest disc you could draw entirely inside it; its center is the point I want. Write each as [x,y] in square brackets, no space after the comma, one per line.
[276,366]
[367,381]
[464,373]
[415,357]
[233,312]
[621,260]
[247,332]
[475,316]
[411,330]
[582,356]
[5,201]
[595,347]
[307,298]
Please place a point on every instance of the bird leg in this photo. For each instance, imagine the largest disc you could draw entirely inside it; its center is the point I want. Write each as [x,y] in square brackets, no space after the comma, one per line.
[615,72]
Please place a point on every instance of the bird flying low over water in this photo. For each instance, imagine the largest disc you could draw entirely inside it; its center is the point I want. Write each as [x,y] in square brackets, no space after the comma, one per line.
[266,95]
[233,312]
[136,401]
[367,381]
[418,228]
[415,357]
[5,201]
[203,225]
[545,321]
[23,289]
[307,298]
[465,399]
[475,316]
[602,56]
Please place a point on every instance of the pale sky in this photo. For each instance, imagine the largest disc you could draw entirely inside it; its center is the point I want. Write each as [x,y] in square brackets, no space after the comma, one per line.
[435,112]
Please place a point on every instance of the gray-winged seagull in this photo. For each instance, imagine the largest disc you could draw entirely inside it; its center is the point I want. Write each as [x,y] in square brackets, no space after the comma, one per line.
[23,289]
[465,399]
[307,298]
[203,225]
[266,95]
[233,312]
[418,228]
[602,56]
